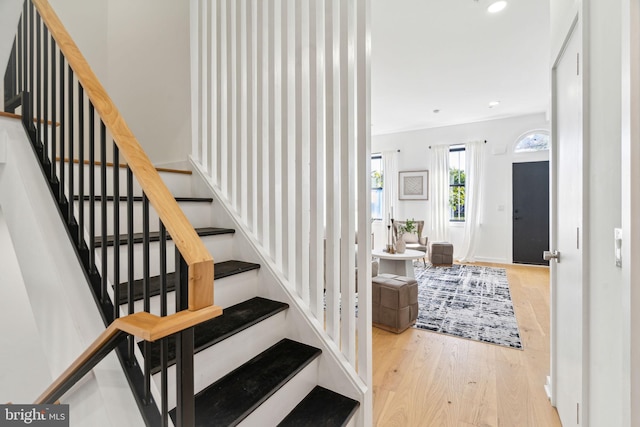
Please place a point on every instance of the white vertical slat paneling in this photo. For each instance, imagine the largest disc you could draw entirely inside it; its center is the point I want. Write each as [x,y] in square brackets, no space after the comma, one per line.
[229,84]
[363,135]
[297,166]
[225,110]
[212,117]
[194,46]
[284,135]
[281,101]
[234,111]
[203,78]
[273,147]
[289,114]
[332,274]
[239,117]
[317,165]
[220,93]
[262,131]
[347,172]
[252,163]
[278,139]
[303,88]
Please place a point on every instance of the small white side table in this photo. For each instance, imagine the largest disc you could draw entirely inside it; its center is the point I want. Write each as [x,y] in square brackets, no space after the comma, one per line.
[400,264]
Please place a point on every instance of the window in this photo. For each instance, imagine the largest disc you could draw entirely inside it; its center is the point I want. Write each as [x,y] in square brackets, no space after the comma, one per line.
[532,142]
[376,186]
[457,179]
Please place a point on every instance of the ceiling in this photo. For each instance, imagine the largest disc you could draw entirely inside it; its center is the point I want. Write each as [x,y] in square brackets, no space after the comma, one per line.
[454,56]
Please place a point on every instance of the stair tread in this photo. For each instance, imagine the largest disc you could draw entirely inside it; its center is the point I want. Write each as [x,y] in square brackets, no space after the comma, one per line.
[234,319]
[139,199]
[220,270]
[233,397]
[321,407]
[154,236]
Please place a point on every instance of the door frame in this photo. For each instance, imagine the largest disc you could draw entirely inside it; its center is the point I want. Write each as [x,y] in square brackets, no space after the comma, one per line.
[577,28]
[631,206]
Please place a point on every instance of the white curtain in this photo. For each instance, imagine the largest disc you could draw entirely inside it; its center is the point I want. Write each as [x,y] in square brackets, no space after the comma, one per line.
[390,183]
[440,193]
[473,199]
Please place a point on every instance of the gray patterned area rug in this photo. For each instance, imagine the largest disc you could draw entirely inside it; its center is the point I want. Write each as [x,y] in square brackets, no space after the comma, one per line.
[467,301]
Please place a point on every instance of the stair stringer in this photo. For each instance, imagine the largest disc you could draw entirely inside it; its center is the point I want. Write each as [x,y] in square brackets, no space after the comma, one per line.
[334,371]
[66,315]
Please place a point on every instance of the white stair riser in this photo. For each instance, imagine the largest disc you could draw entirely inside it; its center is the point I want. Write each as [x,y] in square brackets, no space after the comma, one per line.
[198,214]
[214,362]
[220,247]
[274,409]
[227,292]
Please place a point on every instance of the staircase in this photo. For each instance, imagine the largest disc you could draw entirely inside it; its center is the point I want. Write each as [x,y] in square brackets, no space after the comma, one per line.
[266,351]
[247,370]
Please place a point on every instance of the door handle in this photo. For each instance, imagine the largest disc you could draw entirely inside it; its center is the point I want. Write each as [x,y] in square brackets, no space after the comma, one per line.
[548,255]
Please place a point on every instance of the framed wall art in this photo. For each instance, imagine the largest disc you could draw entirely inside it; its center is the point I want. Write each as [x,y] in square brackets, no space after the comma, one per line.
[413,185]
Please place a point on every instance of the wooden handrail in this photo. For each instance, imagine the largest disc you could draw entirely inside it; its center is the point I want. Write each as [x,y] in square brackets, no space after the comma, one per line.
[185,237]
[142,325]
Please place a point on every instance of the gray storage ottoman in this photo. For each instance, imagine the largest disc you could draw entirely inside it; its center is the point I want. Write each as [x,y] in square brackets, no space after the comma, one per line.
[441,253]
[394,302]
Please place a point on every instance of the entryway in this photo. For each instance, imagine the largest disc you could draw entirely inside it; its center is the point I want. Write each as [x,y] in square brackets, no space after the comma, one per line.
[530,212]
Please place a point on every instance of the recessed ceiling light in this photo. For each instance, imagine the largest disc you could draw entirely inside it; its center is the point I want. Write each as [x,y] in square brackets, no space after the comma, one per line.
[436,111]
[494,104]
[497,6]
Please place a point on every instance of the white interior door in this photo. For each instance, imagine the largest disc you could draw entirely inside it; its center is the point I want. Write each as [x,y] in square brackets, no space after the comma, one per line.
[566,275]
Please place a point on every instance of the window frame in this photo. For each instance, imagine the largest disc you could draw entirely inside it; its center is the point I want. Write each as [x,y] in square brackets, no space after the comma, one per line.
[380,189]
[456,149]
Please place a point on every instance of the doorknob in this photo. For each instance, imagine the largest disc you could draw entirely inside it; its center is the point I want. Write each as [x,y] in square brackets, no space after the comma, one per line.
[548,255]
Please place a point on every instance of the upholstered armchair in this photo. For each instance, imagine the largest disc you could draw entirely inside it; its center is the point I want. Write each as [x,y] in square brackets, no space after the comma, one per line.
[414,241]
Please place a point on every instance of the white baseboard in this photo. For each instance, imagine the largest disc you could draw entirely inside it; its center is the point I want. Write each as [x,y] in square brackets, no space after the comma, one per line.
[493,260]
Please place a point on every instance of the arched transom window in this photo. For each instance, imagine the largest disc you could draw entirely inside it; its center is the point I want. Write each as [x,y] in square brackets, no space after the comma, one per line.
[532,142]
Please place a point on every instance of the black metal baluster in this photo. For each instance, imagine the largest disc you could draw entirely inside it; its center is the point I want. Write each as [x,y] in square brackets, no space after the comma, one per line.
[38,88]
[130,265]
[31,66]
[62,127]
[25,29]
[185,404]
[70,131]
[45,61]
[54,108]
[81,129]
[20,56]
[145,252]
[163,269]
[103,205]
[164,349]
[145,291]
[92,187]
[116,232]
[164,386]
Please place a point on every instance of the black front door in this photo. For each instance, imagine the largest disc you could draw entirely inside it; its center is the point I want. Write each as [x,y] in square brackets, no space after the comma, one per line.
[530,212]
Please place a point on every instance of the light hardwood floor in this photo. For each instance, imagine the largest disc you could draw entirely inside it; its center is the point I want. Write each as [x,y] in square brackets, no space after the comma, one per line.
[422,378]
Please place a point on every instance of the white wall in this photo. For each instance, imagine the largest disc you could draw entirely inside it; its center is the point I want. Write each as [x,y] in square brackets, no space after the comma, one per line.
[64,311]
[9,17]
[607,400]
[140,52]
[495,235]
